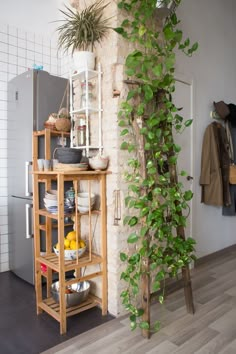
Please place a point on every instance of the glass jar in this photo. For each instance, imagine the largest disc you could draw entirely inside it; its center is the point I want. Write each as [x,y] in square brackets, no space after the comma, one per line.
[83,99]
[81,132]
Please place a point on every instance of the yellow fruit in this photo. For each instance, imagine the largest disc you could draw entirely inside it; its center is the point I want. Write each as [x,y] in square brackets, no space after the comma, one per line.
[82,244]
[57,246]
[74,245]
[71,235]
[66,243]
[67,248]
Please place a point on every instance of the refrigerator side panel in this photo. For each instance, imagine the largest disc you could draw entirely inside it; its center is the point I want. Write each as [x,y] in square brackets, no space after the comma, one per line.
[20,247]
[49,91]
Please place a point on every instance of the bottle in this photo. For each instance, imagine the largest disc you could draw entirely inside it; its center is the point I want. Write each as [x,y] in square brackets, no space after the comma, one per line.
[83,98]
[81,132]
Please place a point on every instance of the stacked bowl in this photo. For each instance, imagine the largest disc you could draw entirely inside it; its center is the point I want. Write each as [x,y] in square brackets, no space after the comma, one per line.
[51,203]
[84,202]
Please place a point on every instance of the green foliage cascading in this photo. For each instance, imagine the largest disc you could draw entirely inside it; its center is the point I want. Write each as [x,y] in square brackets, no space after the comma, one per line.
[156,202]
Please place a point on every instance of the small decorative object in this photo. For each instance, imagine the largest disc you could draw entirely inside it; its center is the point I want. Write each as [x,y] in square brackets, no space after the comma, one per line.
[51,121]
[81,30]
[70,197]
[98,162]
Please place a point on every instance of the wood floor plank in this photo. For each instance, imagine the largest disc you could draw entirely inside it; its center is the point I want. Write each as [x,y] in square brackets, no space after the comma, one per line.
[211,330]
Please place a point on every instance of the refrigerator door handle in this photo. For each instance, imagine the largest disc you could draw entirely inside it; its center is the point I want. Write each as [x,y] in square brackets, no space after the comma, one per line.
[28,214]
[27,192]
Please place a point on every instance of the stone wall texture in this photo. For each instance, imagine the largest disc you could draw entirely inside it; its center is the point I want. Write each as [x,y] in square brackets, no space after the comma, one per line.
[112,54]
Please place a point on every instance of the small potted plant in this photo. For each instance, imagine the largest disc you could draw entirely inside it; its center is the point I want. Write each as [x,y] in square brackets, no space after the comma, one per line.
[63,122]
[81,30]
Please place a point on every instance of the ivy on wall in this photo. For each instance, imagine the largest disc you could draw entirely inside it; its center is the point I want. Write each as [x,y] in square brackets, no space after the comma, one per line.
[156,201]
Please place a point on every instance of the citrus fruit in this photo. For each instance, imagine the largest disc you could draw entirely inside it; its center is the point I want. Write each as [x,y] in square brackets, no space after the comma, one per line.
[74,245]
[82,244]
[71,235]
[57,246]
[66,243]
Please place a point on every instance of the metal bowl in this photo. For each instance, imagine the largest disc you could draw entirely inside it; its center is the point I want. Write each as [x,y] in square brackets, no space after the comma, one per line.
[80,292]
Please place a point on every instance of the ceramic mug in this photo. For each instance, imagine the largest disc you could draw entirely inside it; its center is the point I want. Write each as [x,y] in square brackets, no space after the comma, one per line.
[47,165]
[40,164]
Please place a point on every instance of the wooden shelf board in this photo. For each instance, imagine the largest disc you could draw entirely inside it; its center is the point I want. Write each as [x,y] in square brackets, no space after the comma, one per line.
[52,261]
[53,308]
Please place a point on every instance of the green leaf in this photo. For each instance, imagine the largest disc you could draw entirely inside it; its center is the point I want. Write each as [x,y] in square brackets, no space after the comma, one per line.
[132,238]
[131,94]
[170,61]
[157,70]
[188,122]
[124,132]
[156,285]
[148,93]
[119,30]
[130,72]
[188,195]
[122,123]
[142,30]
[123,257]
[177,148]
[144,325]
[161,299]
[157,326]
[124,146]
[133,325]
[144,231]
[133,221]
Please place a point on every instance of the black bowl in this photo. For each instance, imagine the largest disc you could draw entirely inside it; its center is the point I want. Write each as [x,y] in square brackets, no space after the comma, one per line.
[68,155]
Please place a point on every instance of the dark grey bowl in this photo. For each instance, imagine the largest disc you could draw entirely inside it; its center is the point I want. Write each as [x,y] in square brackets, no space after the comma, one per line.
[68,155]
[80,293]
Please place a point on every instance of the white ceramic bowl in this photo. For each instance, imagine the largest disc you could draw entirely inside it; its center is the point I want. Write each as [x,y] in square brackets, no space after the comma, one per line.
[71,254]
[84,209]
[52,194]
[50,202]
[83,199]
[98,162]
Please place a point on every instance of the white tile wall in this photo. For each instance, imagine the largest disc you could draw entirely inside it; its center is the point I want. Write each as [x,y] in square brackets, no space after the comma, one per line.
[19,50]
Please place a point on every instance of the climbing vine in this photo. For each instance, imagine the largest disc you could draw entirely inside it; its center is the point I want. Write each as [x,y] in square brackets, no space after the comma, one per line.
[156,201]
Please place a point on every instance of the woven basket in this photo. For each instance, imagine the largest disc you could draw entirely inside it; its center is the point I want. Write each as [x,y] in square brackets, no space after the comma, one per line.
[63,124]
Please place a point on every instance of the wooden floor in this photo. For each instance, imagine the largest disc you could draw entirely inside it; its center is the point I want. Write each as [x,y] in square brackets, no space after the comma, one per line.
[212,329]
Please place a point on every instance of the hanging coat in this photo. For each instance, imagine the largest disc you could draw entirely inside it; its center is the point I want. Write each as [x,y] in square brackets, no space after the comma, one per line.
[215,163]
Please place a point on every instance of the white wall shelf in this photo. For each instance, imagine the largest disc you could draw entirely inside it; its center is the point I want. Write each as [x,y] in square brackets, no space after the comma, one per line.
[86,101]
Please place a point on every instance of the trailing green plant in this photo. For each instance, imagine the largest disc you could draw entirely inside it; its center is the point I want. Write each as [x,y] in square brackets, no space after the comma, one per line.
[156,201]
[81,30]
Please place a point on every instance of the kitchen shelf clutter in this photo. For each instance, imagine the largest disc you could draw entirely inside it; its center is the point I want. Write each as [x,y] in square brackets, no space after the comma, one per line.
[85,85]
[49,225]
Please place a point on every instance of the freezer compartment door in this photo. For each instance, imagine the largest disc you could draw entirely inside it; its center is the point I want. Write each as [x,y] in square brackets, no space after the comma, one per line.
[20,239]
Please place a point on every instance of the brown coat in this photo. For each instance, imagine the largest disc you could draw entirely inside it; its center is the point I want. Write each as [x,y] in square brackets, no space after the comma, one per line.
[215,163]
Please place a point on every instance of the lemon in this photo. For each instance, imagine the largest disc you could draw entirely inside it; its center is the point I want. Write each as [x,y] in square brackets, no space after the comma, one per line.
[67,248]
[74,245]
[57,246]
[71,236]
[66,243]
[82,244]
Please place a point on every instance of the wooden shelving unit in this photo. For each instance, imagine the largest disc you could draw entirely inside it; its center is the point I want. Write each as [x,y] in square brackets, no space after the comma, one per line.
[44,229]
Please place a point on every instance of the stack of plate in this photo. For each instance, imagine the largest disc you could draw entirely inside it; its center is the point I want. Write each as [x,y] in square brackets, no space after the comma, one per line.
[51,203]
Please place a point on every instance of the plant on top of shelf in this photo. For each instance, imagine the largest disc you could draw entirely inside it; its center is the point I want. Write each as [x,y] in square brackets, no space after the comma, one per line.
[81,31]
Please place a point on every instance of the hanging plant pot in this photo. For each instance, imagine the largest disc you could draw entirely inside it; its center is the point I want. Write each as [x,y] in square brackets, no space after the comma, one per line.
[63,124]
